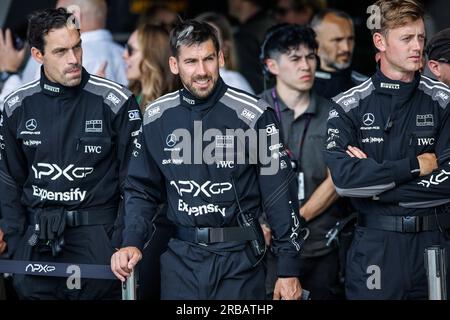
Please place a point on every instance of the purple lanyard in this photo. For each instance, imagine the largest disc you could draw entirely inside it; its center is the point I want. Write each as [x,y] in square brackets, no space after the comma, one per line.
[305,129]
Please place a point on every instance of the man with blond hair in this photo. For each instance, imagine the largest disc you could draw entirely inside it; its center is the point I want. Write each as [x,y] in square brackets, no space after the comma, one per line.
[384,137]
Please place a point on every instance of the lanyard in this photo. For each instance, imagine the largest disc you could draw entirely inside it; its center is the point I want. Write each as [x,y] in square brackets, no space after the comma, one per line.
[305,129]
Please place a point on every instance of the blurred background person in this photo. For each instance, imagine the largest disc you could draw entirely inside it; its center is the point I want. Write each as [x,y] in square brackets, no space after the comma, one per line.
[254,19]
[228,73]
[336,38]
[298,11]
[438,52]
[147,63]
[160,14]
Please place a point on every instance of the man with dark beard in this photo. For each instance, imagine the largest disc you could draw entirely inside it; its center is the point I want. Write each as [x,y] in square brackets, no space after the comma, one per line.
[336,38]
[214,201]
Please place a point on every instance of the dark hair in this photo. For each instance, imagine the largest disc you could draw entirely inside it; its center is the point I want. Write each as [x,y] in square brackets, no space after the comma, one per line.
[40,23]
[283,38]
[190,32]
[318,18]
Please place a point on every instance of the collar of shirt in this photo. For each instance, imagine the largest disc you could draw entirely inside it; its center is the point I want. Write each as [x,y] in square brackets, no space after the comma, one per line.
[56,89]
[191,101]
[399,89]
[311,109]
[340,74]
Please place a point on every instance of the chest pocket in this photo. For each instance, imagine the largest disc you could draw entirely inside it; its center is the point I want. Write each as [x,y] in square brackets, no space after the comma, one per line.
[422,141]
[88,147]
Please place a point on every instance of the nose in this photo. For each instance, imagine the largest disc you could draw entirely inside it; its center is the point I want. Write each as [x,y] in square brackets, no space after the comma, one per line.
[125,54]
[417,46]
[305,64]
[71,57]
[344,45]
[201,68]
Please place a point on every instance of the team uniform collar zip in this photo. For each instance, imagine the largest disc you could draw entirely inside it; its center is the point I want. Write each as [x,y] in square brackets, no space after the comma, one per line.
[57,90]
[190,101]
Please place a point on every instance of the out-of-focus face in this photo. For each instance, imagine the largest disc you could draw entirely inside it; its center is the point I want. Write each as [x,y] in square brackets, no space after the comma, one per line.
[336,39]
[62,56]
[441,70]
[234,7]
[401,49]
[295,69]
[198,67]
[133,57]
[285,13]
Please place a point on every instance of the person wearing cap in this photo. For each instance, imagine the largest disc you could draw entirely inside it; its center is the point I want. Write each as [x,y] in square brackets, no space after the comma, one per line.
[438,52]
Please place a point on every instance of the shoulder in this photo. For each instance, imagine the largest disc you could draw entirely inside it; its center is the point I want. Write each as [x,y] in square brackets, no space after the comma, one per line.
[436,90]
[14,99]
[248,108]
[114,94]
[156,109]
[351,98]
[358,77]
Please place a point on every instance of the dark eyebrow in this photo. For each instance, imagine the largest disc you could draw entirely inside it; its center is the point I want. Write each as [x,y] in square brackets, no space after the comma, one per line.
[61,49]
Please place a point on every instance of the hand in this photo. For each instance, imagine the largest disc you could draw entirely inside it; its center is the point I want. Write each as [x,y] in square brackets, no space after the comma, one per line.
[287,289]
[101,72]
[267,234]
[123,262]
[2,242]
[355,152]
[427,163]
[10,58]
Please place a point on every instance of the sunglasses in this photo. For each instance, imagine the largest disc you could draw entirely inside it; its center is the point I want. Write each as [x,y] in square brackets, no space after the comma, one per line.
[130,49]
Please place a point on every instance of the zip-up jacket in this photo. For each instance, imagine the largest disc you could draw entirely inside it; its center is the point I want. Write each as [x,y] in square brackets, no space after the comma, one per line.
[64,147]
[203,191]
[392,122]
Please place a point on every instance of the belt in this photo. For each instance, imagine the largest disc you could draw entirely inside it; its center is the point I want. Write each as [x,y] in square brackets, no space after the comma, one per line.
[212,235]
[75,218]
[405,224]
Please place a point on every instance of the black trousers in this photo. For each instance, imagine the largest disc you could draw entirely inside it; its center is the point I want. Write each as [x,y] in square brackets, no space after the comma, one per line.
[389,265]
[84,244]
[191,272]
[149,266]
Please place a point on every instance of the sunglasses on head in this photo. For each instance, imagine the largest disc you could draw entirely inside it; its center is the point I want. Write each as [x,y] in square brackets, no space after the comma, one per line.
[443,60]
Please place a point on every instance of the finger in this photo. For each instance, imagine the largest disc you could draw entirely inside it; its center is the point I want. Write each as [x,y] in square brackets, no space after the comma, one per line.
[134,260]
[360,153]
[8,39]
[350,154]
[120,273]
[276,295]
[114,267]
[2,39]
[123,262]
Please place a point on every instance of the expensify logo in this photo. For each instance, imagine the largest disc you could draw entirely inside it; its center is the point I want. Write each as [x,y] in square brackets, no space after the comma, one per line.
[71,195]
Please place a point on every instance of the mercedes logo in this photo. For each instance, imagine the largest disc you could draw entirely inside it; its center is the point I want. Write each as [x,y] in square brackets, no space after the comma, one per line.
[31,124]
[171,140]
[368,119]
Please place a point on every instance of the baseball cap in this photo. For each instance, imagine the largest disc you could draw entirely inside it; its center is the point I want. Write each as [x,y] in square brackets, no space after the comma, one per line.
[439,46]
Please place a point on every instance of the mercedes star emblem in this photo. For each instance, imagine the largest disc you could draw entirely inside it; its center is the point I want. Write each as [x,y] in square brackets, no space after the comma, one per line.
[171,140]
[368,119]
[31,124]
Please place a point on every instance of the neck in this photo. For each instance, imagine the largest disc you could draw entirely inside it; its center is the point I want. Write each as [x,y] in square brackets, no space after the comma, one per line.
[395,74]
[296,100]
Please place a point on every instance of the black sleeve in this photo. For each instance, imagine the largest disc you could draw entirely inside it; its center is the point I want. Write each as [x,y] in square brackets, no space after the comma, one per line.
[144,191]
[126,123]
[278,187]
[355,177]
[433,189]
[13,173]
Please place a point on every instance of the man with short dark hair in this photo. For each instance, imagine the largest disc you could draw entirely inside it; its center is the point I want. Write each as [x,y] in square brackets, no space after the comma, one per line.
[66,140]
[289,53]
[336,38]
[214,154]
[438,52]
